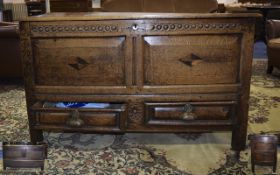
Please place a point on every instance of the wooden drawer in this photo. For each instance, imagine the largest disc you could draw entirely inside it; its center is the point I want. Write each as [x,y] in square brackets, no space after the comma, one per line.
[111,118]
[263,146]
[24,155]
[79,61]
[186,113]
[264,151]
[24,152]
[192,59]
[264,157]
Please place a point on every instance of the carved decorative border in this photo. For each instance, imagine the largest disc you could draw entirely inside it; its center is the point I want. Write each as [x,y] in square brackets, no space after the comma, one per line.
[115,28]
[73,28]
[193,26]
[153,27]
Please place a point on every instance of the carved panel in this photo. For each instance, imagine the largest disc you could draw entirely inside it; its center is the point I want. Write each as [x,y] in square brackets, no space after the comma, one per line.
[135,112]
[192,59]
[80,61]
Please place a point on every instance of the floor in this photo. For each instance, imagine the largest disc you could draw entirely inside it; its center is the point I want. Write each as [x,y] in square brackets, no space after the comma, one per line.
[148,154]
[260,50]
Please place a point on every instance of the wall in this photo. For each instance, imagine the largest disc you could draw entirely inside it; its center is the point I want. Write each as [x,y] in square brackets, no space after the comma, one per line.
[18,8]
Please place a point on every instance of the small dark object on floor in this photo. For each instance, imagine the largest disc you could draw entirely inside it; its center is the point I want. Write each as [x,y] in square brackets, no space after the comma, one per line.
[263,150]
[24,155]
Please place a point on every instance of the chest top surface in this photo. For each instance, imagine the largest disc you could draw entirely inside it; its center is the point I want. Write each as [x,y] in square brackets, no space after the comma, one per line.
[133,15]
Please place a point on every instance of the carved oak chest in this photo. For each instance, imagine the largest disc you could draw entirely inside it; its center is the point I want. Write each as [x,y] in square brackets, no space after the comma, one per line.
[159,72]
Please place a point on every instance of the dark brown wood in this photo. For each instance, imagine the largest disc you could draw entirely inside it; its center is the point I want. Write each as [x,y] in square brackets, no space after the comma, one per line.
[240,130]
[264,151]
[161,72]
[195,65]
[28,74]
[79,62]
[162,6]
[24,155]
[69,5]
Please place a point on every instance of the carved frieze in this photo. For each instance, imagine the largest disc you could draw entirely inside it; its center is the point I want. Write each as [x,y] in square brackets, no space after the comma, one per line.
[192,26]
[73,28]
[156,27]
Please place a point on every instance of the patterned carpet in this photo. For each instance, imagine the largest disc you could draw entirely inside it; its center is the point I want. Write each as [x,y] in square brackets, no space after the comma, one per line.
[148,154]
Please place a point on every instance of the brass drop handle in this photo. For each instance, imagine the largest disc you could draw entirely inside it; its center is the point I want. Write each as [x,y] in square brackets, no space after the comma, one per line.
[75,120]
[188,113]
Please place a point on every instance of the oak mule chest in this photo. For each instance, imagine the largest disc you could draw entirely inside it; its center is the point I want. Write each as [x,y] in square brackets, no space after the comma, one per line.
[159,72]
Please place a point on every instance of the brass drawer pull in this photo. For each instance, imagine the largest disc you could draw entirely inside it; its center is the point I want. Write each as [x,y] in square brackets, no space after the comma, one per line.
[188,113]
[75,120]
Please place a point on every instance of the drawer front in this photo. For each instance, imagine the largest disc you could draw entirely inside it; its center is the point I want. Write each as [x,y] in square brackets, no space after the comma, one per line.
[263,146]
[192,59]
[79,61]
[24,153]
[185,113]
[111,118]
[91,119]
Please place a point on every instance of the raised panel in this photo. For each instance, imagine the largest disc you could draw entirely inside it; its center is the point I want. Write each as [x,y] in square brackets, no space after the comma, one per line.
[192,59]
[79,61]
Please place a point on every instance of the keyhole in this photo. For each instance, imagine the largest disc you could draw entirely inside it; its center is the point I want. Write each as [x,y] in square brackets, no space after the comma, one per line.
[134,27]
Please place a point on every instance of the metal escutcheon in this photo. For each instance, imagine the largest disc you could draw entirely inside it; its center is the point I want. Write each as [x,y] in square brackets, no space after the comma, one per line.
[188,112]
[134,27]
